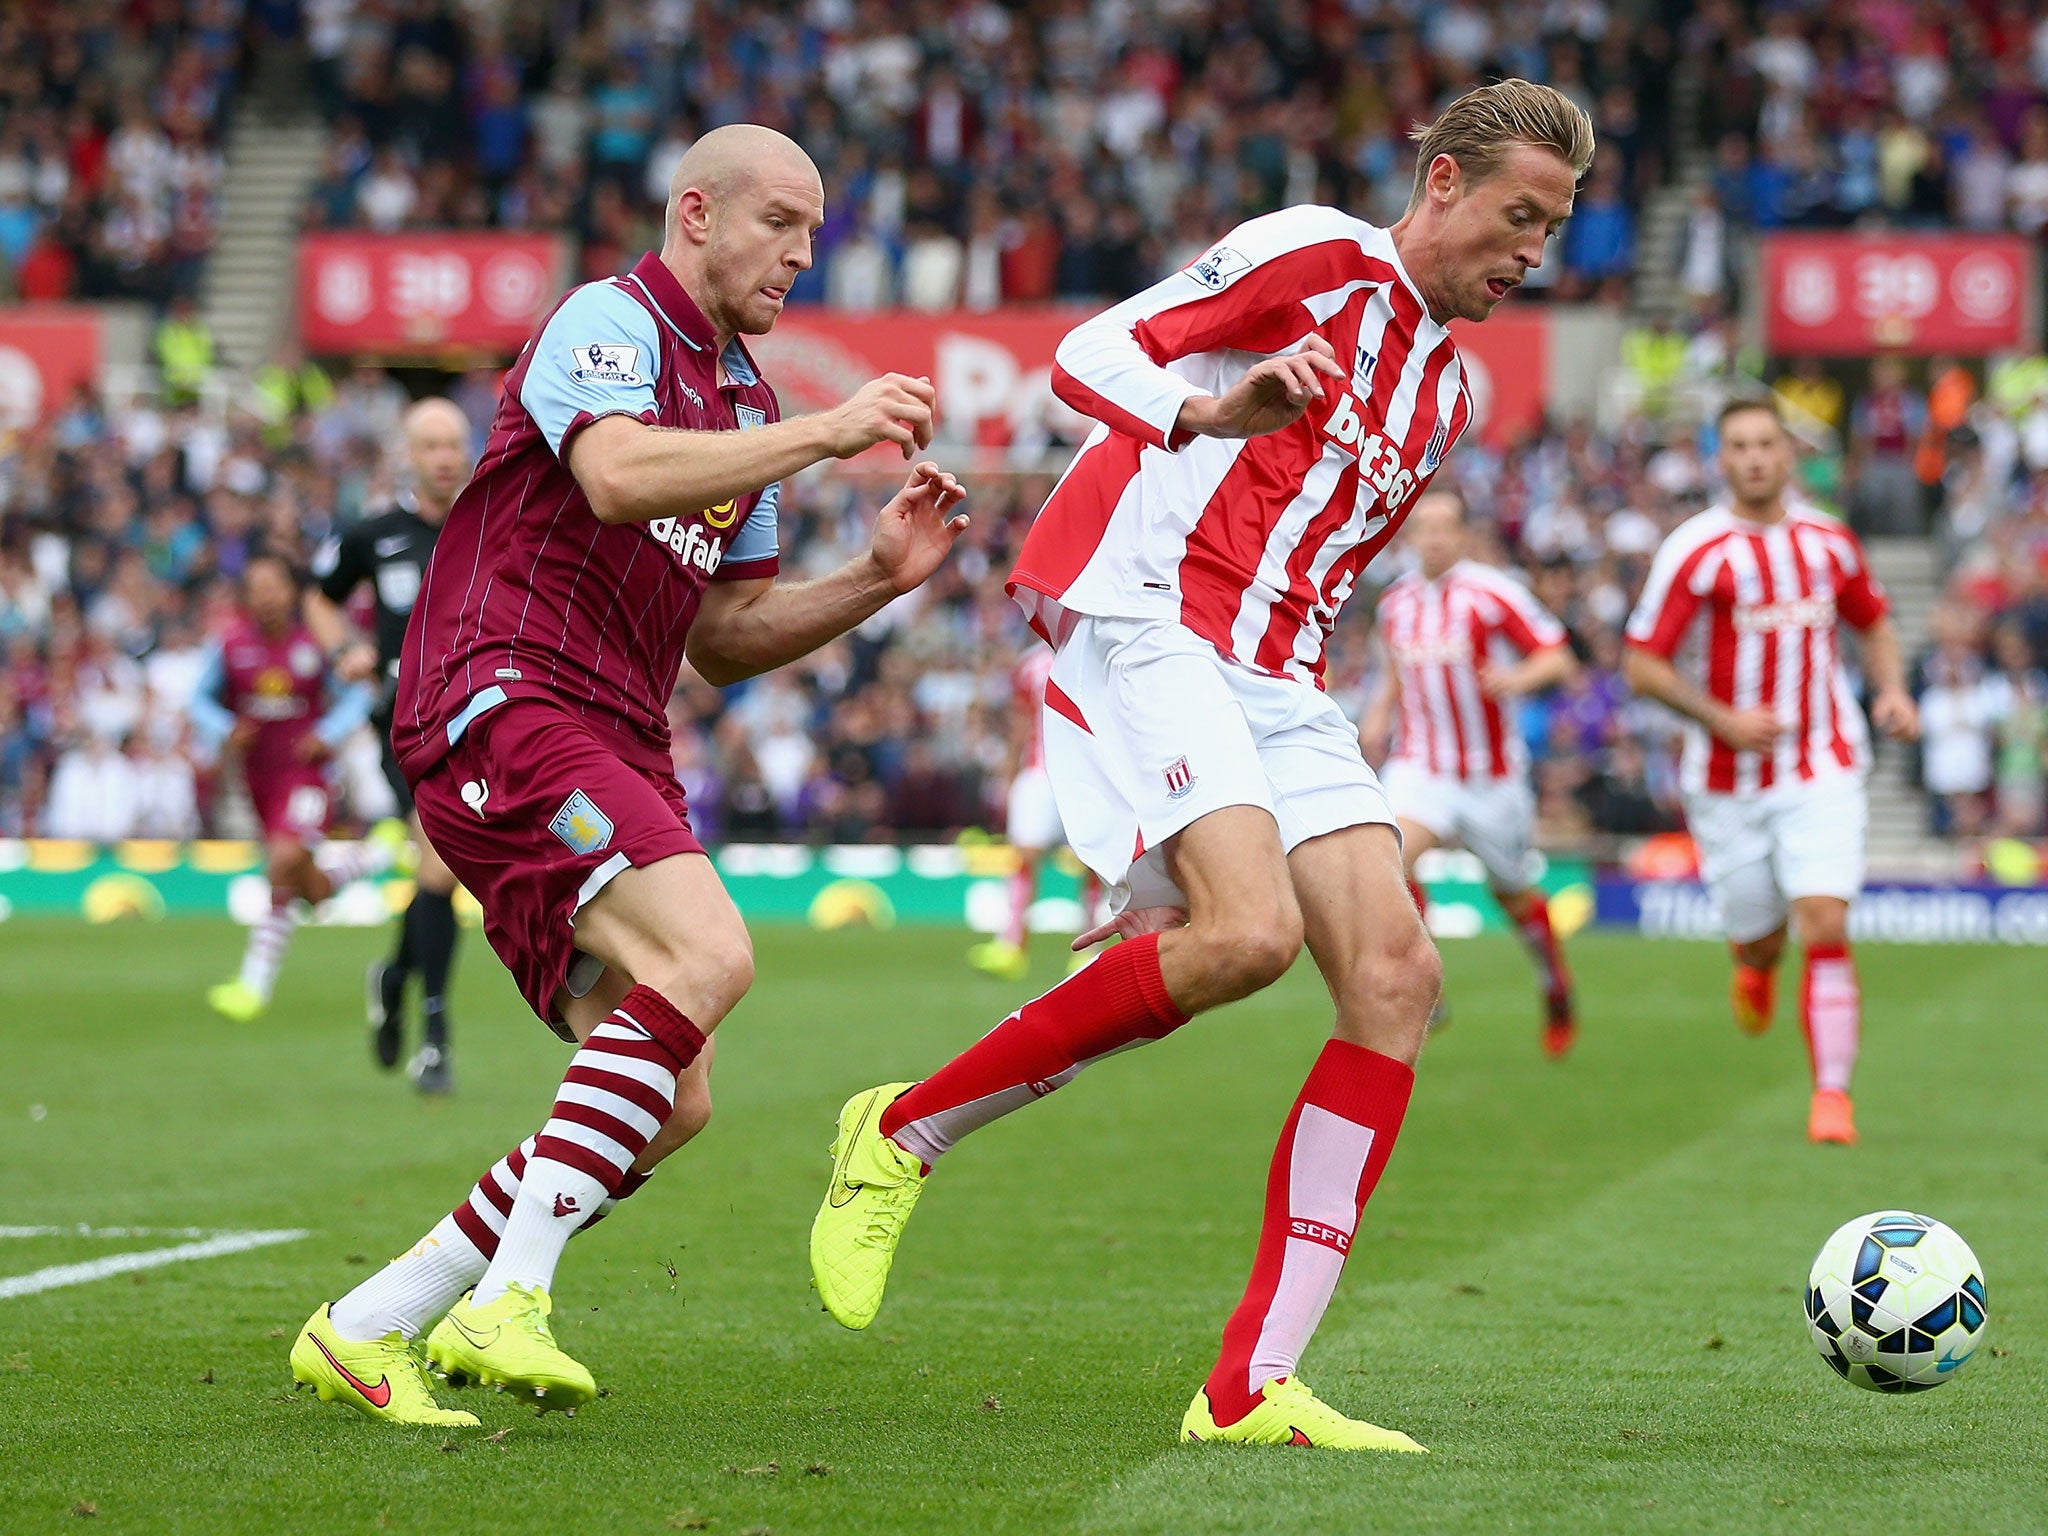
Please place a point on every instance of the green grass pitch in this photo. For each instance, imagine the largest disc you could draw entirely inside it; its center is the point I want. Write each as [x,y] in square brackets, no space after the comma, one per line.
[1578,1284]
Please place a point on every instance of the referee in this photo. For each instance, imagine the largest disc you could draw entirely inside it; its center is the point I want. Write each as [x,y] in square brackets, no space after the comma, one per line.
[388,552]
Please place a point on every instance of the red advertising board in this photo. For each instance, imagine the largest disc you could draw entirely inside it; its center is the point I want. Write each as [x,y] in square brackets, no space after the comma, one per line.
[1852,294]
[45,353]
[993,370]
[465,290]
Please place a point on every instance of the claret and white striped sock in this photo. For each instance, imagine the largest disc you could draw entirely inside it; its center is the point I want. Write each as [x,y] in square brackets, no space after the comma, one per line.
[270,937]
[619,1090]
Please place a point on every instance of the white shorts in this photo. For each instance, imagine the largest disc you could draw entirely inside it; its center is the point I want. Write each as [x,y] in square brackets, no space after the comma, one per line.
[1033,817]
[1169,731]
[1493,819]
[1760,853]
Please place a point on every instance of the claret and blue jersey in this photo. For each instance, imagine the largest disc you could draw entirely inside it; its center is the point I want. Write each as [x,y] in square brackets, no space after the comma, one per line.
[528,593]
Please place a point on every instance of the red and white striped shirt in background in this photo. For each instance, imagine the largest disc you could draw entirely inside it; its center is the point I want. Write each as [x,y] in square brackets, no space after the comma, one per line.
[1027,698]
[1439,635]
[1750,610]
[1252,543]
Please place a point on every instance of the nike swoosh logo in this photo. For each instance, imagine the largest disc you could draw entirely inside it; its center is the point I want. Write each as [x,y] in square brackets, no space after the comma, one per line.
[839,1179]
[1951,1361]
[473,1336]
[378,1396]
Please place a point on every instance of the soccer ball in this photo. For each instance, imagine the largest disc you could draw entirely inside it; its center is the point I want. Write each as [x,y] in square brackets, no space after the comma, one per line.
[1896,1302]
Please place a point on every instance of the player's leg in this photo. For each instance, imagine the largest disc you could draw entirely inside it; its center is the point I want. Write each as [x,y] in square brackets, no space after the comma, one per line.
[288,865]
[1383,974]
[384,981]
[431,922]
[1819,836]
[1007,956]
[1738,868]
[1496,828]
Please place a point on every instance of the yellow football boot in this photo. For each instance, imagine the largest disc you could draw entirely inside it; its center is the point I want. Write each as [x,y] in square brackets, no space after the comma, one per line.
[1290,1414]
[874,1188]
[382,1378]
[508,1344]
[236,1001]
[1001,959]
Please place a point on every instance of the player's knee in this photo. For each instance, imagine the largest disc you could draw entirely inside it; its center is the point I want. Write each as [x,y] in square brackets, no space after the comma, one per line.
[1826,924]
[288,862]
[1249,952]
[704,974]
[1402,979]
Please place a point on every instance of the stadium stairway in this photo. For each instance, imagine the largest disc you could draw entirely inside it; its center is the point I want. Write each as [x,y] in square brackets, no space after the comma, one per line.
[1900,844]
[271,165]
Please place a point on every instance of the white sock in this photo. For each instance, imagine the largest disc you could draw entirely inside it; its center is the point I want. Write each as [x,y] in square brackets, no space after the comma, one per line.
[413,1289]
[553,1201]
[345,862]
[269,939]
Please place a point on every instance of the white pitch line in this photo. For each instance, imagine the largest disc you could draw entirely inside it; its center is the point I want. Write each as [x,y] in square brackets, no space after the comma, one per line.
[121,1263]
[82,1229]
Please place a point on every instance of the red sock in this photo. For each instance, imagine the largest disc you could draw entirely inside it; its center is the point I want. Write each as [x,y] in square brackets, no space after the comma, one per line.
[1831,1012]
[1118,1001]
[1331,1152]
[1542,944]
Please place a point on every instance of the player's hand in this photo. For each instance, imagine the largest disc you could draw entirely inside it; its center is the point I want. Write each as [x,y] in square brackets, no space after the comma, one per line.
[1272,394]
[357,663]
[914,532]
[1750,730]
[892,409]
[311,749]
[1500,682]
[1894,712]
[1133,922]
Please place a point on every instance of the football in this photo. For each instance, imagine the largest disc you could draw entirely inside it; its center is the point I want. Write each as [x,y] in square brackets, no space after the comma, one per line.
[1896,1302]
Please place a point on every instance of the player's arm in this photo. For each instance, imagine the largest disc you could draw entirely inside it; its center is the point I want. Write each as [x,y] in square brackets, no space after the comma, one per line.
[633,472]
[1862,603]
[212,721]
[1246,294]
[1654,677]
[350,707]
[1376,724]
[589,388]
[746,627]
[1892,709]
[1542,668]
[339,567]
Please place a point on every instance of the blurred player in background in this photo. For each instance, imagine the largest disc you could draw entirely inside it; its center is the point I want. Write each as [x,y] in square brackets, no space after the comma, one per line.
[1031,822]
[388,553]
[622,517]
[267,695]
[1463,642]
[1267,415]
[1739,630]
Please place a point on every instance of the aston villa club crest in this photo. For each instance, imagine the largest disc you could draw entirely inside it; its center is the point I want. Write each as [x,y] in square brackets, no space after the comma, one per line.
[581,825]
[1180,779]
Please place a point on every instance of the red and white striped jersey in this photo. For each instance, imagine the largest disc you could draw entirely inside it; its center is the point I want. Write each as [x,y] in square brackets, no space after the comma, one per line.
[1027,698]
[1750,610]
[1439,635]
[1254,543]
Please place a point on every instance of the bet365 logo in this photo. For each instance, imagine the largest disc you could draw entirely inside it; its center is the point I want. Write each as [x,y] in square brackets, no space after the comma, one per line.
[1379,461]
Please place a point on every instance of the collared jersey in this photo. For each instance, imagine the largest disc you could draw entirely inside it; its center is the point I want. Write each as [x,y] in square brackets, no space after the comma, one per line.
[1439,635]
[389,552]
[528,593]
[1750,610]
[1252,543]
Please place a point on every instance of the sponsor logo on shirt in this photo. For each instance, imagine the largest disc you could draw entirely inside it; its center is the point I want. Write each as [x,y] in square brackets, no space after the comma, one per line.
[1219,268]
[1793,613]
[1431,652]
[1362,365]
[1379,461]
[606,363]
[581,825]
[690,542]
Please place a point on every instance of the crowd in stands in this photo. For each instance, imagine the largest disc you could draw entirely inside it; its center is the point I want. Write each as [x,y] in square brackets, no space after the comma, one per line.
[973,153]
[1858,112]
[111,120]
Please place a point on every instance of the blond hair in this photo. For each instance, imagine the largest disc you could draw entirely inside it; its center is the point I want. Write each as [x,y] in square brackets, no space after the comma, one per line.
[1477,129]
